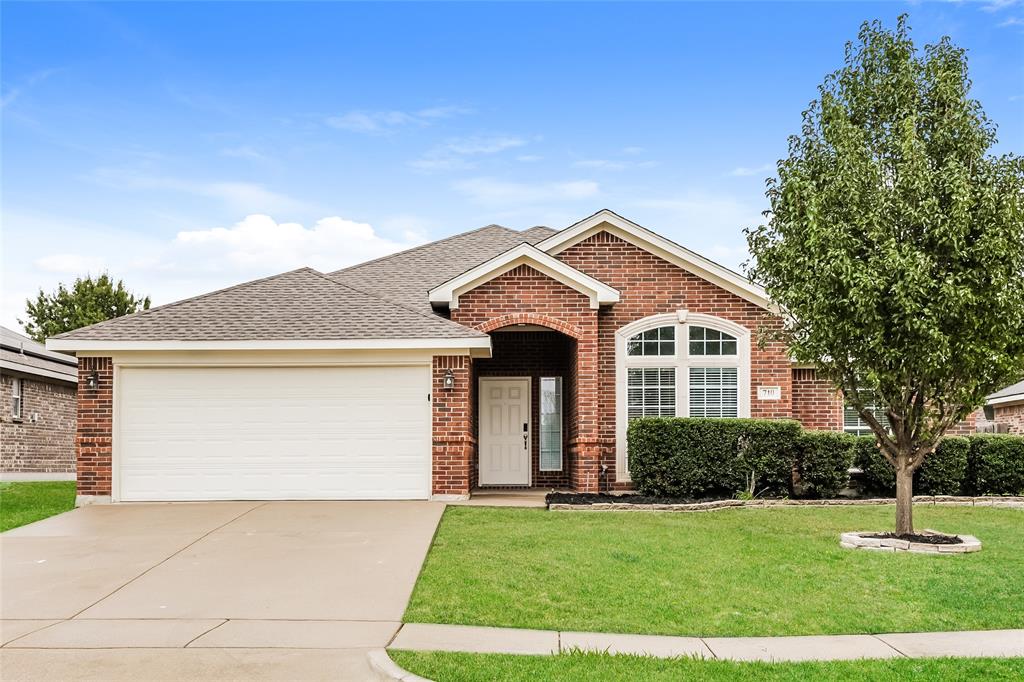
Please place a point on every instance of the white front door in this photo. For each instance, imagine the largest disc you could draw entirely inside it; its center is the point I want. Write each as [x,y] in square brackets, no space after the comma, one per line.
[505,431]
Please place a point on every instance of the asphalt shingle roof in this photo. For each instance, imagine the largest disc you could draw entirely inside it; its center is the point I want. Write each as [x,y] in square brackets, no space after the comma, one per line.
[299,305]
[406,277]
[21,354]
[1013,389]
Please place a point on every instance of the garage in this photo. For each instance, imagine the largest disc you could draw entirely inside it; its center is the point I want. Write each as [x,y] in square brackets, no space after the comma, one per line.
[272,433]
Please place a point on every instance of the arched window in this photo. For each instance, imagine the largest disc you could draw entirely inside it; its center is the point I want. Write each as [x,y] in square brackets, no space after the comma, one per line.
[680,365]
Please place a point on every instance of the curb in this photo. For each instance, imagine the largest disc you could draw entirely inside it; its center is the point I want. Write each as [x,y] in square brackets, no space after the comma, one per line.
[388,669]
[715,505]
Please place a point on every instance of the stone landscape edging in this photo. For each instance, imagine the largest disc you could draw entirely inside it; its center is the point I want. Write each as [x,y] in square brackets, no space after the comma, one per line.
[862,540]
[939,500]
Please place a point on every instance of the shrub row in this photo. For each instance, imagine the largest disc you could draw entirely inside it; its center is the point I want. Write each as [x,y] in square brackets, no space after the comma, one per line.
[979,464]
[700,458]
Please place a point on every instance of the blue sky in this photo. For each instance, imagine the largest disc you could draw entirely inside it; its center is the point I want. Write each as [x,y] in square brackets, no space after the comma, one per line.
[189,146]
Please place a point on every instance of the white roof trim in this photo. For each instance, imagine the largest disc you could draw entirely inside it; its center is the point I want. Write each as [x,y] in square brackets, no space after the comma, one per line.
[605,220]
[1003,399]
[463,344]
[29,370]
[523,254]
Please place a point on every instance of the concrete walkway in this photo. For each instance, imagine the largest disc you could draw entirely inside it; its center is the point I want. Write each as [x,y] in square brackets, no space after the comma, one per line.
[984,643]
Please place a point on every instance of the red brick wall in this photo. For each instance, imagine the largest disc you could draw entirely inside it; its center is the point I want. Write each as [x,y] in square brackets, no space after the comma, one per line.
[816,403]
[1013,415]
[453,440]
[536,355]
[94,437]
[43,445]
[525,295]
[649,285]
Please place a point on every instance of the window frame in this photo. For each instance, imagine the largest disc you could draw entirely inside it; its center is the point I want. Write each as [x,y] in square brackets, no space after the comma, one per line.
[682,362]
[17,398]
[560,387]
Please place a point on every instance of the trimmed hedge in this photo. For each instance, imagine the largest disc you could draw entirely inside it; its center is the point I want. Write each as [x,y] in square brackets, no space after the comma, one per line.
[702,458]
[823,460]
[979,464]
[995,465]
[697,458]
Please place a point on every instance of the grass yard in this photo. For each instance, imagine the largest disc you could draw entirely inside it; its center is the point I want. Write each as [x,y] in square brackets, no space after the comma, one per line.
[25,502]
[753,572]
[452,667]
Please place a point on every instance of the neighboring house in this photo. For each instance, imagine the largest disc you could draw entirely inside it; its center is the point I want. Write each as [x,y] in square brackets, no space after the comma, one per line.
[491,358]
[1004,409]
[37,424]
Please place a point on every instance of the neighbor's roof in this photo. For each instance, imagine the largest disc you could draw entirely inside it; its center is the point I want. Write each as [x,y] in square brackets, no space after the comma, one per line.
[21,354]
[301,305]
[1009,393]
[406,277]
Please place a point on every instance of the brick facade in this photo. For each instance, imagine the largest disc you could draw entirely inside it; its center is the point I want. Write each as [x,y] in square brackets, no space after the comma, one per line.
[43,439]
[94,439]
[816,403]
[1011,415]
[454,444]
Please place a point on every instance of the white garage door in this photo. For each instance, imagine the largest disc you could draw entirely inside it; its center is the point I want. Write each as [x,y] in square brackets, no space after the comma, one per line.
[273,433]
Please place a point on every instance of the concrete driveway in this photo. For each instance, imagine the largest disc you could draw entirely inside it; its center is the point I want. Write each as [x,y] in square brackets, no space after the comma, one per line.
[226,590]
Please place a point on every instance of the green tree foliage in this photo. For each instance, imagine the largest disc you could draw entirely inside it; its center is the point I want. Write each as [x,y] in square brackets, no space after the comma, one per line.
[87,301]
[895,244]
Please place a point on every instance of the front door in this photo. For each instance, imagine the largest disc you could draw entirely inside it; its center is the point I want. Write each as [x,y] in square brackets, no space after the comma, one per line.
[505,431]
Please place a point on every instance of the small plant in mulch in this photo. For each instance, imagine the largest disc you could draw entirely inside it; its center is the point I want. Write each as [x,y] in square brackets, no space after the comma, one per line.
[930,538]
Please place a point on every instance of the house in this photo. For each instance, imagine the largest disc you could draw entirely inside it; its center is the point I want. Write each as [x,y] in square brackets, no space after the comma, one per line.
[1004,409]
[37,422]
[493,358]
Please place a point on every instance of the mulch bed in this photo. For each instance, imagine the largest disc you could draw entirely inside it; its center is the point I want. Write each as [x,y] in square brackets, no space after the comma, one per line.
[930,539]
[605,498]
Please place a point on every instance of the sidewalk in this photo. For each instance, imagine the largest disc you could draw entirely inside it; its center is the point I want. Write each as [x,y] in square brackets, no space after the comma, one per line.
[981,643]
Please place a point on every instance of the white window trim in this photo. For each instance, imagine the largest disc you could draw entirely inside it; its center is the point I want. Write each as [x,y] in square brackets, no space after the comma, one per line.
[18,395]
[682,361]
[561,426]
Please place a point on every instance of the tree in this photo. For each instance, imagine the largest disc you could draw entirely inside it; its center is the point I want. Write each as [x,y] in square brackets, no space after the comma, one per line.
[87,302]
[895,245]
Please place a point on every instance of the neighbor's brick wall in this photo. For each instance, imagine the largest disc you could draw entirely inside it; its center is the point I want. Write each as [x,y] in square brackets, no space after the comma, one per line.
[1013,415]
[453,440]
[46,445]
[94,437]
[536,355]
[816,403]
[649,285]
[526,295]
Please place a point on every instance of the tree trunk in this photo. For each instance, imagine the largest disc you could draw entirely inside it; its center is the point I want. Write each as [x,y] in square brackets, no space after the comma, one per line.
[904,499]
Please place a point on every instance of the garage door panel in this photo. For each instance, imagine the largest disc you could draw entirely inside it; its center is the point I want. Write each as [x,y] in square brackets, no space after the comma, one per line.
[274,433]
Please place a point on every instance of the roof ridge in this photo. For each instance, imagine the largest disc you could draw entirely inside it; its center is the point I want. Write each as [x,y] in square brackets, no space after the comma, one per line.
[421,246]
[396,304]
[198,297]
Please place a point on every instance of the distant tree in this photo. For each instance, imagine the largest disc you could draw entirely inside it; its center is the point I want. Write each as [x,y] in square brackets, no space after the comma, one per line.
[895,245]
[87,302]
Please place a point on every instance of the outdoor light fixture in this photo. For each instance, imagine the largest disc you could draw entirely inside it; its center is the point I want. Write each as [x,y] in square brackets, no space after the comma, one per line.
[449,380]
[92,381]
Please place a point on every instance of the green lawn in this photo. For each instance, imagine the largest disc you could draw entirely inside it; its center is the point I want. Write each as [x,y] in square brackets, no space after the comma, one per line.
[726,573]
[22,503]
[452,667]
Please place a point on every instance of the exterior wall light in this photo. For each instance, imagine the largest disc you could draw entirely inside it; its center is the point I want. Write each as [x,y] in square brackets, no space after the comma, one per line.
[449,380]
[92,381]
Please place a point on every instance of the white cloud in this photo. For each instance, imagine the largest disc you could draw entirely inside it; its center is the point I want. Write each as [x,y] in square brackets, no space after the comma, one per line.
[243,152]
[457,153]
[172,267]
[529,158]
[260,244]
[743,171]
[633,151]
[383,122]
[69,264]
[1012,21]
[610,165]
[997,5]
[240,197]
[493,191]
